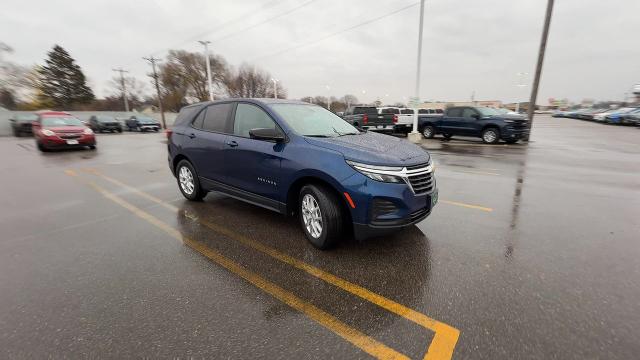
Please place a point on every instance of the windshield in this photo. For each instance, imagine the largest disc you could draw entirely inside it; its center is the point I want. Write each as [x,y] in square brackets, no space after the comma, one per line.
[61,121]
[485,111]
[26,117]
[312,120]
[146,120]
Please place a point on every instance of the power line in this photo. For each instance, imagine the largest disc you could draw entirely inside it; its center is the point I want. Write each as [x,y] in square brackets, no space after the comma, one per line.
[366,22]
[154,75]
[264,21]
[221,26]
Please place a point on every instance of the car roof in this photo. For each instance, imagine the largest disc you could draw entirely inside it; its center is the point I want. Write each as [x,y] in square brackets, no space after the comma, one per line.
[261,101]
[52,113]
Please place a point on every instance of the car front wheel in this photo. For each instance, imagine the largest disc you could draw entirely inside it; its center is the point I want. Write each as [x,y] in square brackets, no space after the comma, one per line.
[188,181]
[428,131]
[320,216]
[491,135]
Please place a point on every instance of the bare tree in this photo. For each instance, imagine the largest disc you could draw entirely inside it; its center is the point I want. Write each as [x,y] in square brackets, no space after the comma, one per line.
[249,81]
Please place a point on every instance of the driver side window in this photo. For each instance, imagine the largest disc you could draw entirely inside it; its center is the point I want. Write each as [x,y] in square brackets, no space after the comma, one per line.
[250,117]
[468,113]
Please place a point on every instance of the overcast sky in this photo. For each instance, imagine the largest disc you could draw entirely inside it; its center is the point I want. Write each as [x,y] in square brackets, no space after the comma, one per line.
[469,45]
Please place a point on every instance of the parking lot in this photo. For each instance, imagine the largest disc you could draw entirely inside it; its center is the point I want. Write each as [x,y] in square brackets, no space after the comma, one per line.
[531,252]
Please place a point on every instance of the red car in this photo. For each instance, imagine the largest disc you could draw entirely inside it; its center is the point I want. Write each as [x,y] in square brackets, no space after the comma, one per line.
[58,130]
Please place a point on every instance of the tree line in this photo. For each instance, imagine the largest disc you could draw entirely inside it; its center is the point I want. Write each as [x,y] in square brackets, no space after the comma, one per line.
[60,83]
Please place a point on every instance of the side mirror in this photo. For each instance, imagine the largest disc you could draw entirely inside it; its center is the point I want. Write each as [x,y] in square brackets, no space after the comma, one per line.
[266,134]
[475,116]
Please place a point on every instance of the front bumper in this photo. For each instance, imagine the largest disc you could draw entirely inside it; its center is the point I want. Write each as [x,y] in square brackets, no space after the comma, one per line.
[402,207]
[54,142]
[149,127]
[508,133]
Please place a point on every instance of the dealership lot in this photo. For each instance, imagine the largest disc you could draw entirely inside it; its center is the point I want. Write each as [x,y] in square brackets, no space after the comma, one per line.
[532,252]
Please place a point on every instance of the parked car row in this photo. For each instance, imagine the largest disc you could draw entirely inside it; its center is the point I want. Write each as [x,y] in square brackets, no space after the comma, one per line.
[21,123]
[59,129]
[621,116]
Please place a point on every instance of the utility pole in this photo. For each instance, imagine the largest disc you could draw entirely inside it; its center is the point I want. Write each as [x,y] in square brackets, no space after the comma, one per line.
[536,80]
[153,61]
[124,88]
[275,88]
[414,136]
[208,60]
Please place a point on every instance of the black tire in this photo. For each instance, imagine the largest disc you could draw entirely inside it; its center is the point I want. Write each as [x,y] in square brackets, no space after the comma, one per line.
[491,135]
[41,147]
[428,131]
[156,129]
[119,130]
[16,133]
[92,147]
[332,227]
[197,193]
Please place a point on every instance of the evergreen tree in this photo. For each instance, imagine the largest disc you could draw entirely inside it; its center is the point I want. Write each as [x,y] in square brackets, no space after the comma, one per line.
[61,81]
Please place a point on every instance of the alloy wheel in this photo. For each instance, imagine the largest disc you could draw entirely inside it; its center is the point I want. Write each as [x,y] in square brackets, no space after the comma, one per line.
[311,216]
[186,180]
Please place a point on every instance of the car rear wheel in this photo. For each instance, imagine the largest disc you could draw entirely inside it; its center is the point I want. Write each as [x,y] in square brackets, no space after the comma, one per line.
[428,131]
[188,181]
[320,216]
[491,135]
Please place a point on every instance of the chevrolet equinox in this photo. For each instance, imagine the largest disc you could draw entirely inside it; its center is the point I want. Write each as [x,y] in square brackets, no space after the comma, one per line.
[299,159]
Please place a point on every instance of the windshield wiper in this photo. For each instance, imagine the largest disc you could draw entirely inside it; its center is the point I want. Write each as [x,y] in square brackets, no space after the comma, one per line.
[319,136]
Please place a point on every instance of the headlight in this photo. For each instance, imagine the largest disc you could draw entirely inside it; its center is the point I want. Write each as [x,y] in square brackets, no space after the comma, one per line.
[47,132]
[88,131]
[388,174]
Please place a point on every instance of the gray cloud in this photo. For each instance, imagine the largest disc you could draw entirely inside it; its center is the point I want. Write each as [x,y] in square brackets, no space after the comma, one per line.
[468,45]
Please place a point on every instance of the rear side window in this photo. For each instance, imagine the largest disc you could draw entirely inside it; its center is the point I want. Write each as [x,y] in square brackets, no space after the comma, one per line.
[406,111]
[454,112]
[186,114]
[251,117]
[390,111]
[216,117]
[423,111]
[197,123]
[439,111]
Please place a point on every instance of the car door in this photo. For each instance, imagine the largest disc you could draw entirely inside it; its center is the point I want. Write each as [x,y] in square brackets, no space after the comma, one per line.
[470,122]
[253,165]
[204,141]
[451,122]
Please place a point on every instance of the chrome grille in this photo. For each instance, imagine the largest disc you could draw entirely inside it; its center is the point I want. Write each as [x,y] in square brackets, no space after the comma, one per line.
[420,180]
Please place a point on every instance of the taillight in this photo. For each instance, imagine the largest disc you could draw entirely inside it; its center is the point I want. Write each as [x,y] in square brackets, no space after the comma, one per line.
[169,132]
[365,119]
[395,118]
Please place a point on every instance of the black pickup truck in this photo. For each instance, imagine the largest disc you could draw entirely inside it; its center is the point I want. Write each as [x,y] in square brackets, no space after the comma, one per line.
[367,117]
[489,124]
[142,123]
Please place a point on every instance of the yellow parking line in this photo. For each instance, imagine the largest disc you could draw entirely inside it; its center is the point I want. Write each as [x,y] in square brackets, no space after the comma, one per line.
[445,337]
[467,205]
[70,172]
[357,338]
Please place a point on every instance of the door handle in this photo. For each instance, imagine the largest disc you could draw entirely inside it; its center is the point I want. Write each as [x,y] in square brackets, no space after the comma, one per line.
[192,135]
[232,143]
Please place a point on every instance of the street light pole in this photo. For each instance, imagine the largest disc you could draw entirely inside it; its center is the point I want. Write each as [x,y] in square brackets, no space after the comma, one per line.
[208,61]
[536,80]
[520,84]
[328,97]
[275,88]
[415,136]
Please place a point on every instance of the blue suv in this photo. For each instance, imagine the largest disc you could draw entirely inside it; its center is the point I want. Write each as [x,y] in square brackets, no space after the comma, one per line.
[299,159]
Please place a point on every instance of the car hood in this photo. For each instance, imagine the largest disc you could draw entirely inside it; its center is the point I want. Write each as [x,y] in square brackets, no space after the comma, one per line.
[66,129]
[375,149]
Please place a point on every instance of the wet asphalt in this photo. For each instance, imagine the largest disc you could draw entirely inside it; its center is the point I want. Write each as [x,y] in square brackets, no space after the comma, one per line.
[532,252]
